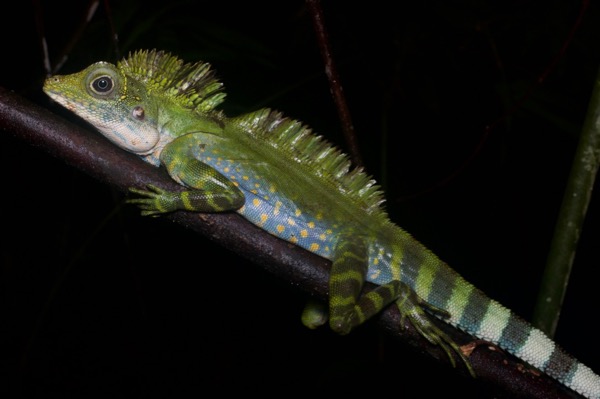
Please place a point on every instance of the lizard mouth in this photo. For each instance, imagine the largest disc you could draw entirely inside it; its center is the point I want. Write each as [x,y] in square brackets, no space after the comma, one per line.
[62,99]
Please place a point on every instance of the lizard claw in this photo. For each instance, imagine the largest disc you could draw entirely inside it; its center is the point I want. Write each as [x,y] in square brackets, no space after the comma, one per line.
[149,200]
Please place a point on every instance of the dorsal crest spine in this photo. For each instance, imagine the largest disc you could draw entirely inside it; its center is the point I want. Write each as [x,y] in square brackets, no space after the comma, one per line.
[325,160]
[192,85]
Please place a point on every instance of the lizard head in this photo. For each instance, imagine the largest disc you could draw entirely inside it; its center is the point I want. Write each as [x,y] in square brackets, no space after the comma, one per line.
[124,101]
[115,105]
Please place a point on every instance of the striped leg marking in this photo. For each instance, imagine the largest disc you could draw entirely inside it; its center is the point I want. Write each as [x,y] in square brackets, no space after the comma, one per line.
[210,190]
[155,200]
[347,307]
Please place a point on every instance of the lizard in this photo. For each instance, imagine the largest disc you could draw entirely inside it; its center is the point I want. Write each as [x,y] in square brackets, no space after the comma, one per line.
[293,183]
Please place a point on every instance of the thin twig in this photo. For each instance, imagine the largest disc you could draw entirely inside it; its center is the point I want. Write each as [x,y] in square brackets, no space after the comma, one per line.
[570,219]
[335,85]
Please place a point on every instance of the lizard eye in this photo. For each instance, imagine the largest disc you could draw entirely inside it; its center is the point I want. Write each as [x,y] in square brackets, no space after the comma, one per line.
[102,85]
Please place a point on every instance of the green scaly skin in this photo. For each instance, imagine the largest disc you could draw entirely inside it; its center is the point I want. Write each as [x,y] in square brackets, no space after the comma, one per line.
[282,177]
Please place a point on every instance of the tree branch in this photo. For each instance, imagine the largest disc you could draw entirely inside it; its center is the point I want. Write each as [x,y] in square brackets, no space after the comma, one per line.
[97,157]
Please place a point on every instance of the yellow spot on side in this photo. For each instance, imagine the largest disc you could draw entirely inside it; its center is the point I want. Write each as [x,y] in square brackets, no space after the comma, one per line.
[293,240]
[319,216]
[322,237]
[304,233]
[314,247]
[245,178]
[263,218]
[291,222]
[226,170]
[272,189]
[278,205]
[256,202]
[311,225]
[280,228]
[298,212]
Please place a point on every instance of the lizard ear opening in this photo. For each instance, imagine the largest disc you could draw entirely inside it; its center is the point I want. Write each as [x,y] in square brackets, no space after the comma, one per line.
[138,113]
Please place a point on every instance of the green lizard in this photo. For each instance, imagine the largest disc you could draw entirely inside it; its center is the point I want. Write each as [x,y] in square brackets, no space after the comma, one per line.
[279,175]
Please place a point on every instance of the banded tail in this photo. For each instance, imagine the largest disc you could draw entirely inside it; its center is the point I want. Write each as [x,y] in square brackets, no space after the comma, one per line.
[475,313]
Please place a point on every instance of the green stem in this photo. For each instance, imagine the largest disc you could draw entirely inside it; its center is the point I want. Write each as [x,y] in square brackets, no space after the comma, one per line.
[570,219]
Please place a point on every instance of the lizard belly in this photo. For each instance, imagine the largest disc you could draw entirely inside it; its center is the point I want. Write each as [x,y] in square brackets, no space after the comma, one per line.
[381,260]
[282,219]
[275,203]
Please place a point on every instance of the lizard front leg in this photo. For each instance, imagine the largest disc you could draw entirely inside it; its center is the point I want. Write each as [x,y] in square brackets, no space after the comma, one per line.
[209,191]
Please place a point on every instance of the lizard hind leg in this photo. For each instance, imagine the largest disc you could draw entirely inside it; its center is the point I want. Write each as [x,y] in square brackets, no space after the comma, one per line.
[412,307]
[315,314]
[349,307]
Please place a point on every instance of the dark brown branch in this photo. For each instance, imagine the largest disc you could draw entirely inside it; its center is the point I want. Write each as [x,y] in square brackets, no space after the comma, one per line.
[95,156]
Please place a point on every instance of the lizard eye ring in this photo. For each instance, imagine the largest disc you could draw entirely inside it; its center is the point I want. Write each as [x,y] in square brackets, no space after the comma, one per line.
[102,85]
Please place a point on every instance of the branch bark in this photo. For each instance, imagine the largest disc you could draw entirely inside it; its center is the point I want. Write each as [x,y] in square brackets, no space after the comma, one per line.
[97,157]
